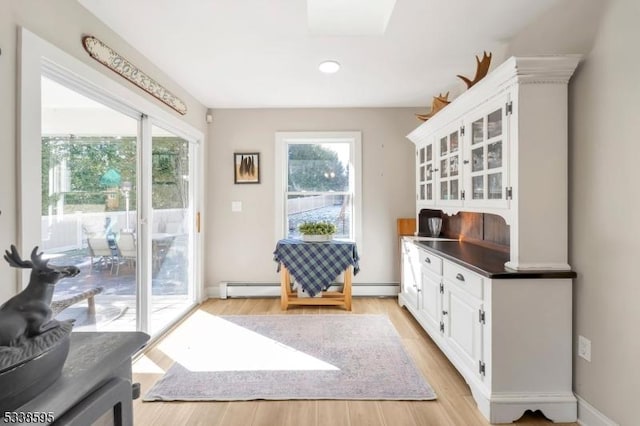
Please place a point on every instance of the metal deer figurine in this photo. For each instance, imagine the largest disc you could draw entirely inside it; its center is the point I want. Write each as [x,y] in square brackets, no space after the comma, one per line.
[27,314]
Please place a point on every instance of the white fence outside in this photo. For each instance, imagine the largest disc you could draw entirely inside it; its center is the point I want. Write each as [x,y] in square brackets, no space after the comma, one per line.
[69,232]
[304,204]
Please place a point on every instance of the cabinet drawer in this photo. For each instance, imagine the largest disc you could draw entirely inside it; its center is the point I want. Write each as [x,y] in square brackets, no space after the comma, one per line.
[465,279]
[430,262]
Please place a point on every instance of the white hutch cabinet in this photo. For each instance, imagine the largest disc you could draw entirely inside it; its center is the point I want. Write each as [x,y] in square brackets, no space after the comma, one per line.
[501,148]
[502,317]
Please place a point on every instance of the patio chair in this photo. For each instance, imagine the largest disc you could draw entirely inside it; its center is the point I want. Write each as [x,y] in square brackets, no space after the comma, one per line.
[99,249]
[127,251]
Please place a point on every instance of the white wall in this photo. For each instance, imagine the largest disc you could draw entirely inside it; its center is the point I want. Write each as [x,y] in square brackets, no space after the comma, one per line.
[240,245]
[604,151]
[62,23]
[605,209]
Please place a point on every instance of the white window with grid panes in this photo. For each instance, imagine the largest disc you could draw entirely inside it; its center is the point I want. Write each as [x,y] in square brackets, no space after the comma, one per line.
[318,178]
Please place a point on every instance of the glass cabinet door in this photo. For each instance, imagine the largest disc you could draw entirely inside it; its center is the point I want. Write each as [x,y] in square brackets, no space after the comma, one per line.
[425,171]
[487,155]
[448,166]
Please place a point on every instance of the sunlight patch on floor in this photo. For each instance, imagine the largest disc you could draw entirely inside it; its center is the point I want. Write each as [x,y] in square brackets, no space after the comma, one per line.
[144,365]
[205,342]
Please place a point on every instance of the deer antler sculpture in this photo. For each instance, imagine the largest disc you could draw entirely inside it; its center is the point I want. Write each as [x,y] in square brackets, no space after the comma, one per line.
[28,314]
[482,68]
[437,104]
[16,261]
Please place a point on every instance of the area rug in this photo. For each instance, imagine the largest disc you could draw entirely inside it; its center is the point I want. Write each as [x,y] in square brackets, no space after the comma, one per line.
[282,357]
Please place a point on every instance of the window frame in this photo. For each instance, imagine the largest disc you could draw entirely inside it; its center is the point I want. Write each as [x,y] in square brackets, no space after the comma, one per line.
[283,139]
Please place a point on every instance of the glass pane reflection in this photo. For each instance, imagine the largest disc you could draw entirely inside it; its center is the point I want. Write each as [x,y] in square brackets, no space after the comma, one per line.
[453,142]
[477,131]
[444,168]
[454,189]
[495,186]
[494,124]
[453,166]
[477,159]
[477,183]
[494,155]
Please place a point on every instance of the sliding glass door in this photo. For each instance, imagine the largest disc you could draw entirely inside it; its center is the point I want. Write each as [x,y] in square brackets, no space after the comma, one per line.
[89,155]
[172,226]
[117,201]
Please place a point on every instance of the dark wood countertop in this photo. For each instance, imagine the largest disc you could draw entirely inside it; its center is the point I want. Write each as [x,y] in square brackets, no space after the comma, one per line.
[485,261]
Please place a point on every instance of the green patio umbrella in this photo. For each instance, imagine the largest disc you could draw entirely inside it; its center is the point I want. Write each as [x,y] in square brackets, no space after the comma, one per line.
[110,179]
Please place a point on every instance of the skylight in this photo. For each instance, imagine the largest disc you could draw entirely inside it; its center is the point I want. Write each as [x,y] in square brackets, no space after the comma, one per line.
[348,17]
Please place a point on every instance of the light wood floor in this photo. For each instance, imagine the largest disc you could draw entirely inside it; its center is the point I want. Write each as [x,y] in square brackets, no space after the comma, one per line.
[454,405]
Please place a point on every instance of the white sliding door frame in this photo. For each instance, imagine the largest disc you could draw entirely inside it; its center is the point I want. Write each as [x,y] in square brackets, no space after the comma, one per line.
[39,58]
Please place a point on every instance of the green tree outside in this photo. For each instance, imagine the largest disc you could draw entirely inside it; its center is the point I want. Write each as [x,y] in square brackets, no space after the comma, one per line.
[86,160]
[315,168]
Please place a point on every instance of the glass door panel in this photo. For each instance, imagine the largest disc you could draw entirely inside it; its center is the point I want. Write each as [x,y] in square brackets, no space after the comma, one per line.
[425,177]
[88,217]
[172,229]
[487,151]
[494,155]
[449,167]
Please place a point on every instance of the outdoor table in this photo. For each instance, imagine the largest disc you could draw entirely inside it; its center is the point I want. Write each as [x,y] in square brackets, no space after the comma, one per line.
[314,266]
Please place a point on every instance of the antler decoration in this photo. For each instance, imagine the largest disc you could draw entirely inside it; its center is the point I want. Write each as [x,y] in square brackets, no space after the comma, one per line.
[437,104]
[14,259]
[482,68]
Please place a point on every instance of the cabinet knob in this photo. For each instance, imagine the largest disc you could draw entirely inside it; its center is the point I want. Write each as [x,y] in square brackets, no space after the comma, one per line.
[445,312]
[460,277]
[427,260]
[465,162]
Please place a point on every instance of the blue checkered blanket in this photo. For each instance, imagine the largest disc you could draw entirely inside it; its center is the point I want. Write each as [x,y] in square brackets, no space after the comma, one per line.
[314,266]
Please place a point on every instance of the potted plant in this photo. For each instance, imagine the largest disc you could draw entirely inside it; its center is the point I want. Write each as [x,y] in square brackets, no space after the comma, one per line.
[317,231]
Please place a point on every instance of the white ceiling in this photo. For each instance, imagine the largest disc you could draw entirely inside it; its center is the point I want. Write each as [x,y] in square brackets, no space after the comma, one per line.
[262,53]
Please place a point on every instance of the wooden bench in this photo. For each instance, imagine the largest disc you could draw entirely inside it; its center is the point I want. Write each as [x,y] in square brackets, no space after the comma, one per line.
[58,305]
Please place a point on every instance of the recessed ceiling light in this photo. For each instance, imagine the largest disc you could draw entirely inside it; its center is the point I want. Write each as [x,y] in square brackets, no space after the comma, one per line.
[329,67]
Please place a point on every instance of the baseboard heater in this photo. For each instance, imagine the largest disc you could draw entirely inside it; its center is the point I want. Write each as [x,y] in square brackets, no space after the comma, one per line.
[228,289]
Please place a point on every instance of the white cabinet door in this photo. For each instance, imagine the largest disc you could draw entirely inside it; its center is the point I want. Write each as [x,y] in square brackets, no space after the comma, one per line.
[431,299]
[462,326]
[486,147]
[411,279]
[449,165]
[425,176]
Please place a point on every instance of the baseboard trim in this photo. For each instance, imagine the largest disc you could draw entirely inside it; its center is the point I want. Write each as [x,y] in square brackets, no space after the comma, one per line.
[264,289]
[588,415]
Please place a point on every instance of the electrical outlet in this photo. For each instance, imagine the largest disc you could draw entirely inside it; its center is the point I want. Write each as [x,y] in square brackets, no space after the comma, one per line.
[584,348]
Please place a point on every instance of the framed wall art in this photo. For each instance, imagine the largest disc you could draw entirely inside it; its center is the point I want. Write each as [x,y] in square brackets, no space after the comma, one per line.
[246,167]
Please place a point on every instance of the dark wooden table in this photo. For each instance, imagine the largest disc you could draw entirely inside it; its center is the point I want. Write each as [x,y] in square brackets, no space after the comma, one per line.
[96,379]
